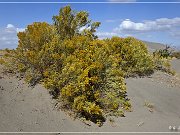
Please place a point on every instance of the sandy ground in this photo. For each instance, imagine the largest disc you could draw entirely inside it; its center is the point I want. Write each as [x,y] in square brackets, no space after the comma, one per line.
[155,102]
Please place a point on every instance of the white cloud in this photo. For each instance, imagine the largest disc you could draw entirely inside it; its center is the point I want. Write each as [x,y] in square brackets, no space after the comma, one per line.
[160,30]
[9,26]
[149,25]
[102,35]
[20,29]
[8,36]
[106,34]
[82,28]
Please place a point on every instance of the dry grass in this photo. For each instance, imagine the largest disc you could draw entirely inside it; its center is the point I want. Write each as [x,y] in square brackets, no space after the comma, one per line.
[2,52]
[150,106]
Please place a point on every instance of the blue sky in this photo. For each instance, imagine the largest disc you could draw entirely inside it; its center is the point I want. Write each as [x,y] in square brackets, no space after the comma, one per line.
[151,22]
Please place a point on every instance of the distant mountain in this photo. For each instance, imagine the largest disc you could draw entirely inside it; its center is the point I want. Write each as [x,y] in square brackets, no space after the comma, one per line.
[152,46]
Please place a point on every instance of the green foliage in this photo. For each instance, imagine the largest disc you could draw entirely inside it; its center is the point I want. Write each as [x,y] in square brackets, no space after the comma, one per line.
[133,55]
[162,59]
[90,81]
[2,61]
[68,23]
[84,73]
[28,55]
[165,53]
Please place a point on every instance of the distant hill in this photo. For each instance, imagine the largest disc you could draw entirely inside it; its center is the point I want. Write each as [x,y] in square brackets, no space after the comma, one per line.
[152,46]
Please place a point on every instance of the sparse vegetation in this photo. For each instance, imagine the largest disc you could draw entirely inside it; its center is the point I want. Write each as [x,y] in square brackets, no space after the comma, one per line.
[165,53]
[162,59]
[84,73]
[176,55]
[149,104]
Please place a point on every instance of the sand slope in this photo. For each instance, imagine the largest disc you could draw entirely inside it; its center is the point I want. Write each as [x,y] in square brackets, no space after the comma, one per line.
[27,109]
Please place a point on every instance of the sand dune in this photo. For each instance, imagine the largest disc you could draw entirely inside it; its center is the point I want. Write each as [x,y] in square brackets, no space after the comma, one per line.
[155,102]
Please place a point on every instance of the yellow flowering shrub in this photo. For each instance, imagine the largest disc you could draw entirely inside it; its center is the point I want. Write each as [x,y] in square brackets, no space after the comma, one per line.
[84,73]
[162,63]
[134,55]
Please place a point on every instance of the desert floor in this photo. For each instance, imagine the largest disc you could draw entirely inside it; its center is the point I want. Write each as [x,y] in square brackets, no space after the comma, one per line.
[155,101]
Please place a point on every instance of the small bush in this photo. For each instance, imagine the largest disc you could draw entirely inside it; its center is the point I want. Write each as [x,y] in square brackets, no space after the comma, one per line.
[162,59]
[164,53]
